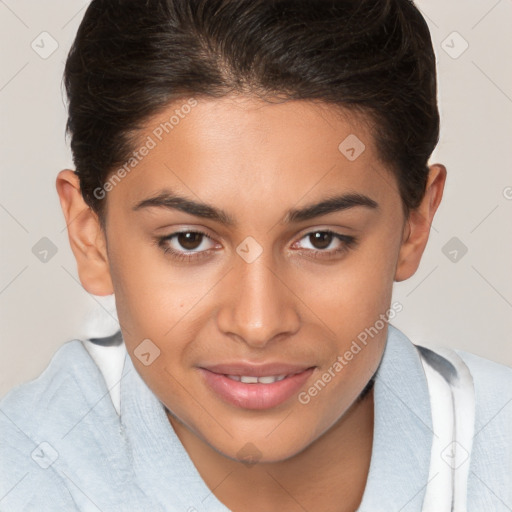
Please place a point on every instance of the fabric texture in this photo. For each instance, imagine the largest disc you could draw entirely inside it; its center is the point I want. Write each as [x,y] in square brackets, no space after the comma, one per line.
[63,445]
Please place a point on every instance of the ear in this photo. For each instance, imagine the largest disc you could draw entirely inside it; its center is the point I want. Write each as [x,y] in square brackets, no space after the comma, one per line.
[417,226]
[86,237]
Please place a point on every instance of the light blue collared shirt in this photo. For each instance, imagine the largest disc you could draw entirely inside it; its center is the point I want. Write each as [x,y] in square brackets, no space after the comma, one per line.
[64,447]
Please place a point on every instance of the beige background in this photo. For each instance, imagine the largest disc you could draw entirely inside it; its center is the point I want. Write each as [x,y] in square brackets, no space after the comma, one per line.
[465,303]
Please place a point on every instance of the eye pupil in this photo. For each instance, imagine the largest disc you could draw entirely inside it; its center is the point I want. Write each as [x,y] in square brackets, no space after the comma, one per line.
[322,237]
[190,240]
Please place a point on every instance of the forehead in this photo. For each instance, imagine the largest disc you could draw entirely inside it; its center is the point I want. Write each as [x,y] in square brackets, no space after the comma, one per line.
[253,151]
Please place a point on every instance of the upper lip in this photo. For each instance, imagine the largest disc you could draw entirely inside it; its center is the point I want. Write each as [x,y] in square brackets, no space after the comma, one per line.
[253,370]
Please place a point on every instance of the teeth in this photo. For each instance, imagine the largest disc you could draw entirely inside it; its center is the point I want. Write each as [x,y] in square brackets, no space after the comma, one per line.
[247,379]
[267,380]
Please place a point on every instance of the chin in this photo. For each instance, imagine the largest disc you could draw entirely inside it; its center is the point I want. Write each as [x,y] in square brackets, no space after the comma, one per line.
[260,450]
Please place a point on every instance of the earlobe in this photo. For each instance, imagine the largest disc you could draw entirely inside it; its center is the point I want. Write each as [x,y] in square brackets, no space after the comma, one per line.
[86,238]
[417,226]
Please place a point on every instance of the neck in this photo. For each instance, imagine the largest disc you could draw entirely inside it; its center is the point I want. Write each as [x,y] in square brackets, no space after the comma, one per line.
[329,475]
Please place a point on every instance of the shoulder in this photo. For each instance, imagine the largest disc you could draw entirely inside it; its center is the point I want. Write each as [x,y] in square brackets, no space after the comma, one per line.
[492,384]
[486,373]
[493,392]
[493,395]
[53,394]
[490,476]
[34,419]
[489,448]
[492,381]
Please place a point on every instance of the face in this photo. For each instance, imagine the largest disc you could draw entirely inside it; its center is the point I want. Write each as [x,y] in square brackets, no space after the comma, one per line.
[246,275]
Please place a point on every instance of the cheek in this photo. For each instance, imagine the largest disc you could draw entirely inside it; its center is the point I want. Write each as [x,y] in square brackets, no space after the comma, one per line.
[352,294]
[151,293]
[338,385]
[353,301]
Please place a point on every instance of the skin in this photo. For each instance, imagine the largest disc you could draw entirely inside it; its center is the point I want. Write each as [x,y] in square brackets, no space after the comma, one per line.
[255,161]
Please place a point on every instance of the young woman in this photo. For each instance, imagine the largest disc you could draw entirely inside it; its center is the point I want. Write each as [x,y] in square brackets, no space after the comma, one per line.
[251,179]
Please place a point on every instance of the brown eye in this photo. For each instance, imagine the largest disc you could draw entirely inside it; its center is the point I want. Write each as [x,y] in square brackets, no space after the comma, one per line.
[189,240]
[326,244]
[321,239]
[186,245]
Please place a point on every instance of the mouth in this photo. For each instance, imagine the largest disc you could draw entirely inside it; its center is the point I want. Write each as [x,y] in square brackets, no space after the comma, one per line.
[248,379]
[257,388]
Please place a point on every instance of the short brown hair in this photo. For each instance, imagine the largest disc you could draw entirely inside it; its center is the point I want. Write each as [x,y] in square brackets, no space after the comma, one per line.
[131,58]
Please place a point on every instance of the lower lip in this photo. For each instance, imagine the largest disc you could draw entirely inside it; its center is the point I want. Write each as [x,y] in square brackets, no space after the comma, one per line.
[255,396]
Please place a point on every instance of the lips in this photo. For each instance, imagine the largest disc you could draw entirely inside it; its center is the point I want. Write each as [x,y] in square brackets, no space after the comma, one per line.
[255,386]
[266,379]
[253,370]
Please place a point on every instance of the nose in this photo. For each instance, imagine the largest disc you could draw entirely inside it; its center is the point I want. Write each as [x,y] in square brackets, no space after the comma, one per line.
[258,304]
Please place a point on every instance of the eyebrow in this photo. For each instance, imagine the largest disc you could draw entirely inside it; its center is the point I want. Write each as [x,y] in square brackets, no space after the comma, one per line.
[336,203]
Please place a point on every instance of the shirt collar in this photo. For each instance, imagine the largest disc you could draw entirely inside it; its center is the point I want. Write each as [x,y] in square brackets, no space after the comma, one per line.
[402,438]
[402,435]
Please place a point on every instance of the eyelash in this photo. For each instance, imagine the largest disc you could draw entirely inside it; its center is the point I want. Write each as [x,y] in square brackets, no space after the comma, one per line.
[348,243]
[191,256]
